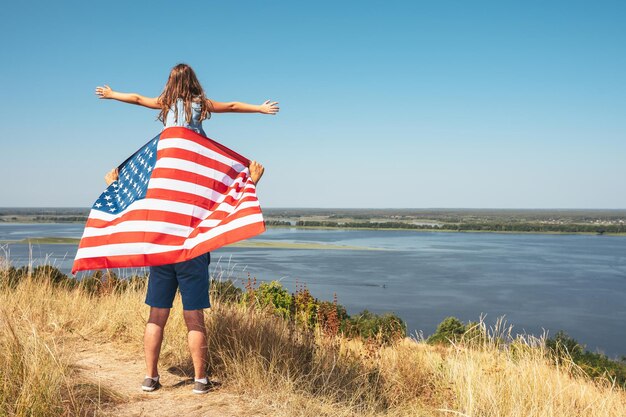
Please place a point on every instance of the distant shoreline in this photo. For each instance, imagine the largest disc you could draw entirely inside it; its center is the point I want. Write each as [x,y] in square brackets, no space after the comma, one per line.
[49,240]
[243,244]
[448,230]
[508,221]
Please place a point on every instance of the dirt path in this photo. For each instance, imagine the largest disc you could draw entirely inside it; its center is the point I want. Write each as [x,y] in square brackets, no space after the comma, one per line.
[122,373]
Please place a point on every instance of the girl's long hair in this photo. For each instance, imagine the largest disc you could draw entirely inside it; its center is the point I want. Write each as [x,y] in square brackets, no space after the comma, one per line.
[183,84]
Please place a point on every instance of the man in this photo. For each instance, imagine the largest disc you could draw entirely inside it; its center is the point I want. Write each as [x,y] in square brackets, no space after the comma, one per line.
[192,279]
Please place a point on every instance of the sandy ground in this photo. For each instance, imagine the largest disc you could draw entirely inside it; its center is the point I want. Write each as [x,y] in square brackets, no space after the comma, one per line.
[122,374]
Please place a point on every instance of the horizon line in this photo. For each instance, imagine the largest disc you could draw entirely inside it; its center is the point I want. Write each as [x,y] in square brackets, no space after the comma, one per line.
[362,208]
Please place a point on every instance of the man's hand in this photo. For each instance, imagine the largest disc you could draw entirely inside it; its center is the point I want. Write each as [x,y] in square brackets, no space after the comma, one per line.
[111,176]
[256,171]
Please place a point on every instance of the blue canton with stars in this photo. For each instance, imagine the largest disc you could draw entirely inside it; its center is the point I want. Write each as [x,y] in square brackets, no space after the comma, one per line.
[132,183]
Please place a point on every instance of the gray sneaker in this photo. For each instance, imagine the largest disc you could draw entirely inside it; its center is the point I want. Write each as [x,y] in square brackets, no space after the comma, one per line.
[201,388]
[150,385]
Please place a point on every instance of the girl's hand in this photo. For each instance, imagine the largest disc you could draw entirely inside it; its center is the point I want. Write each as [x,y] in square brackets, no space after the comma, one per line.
[104,92]
[269,107]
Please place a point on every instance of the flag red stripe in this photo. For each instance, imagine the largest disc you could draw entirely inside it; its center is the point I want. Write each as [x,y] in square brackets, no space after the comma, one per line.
[190,156]
[189,198]
[162,216]
[152,215]
[171,173]
[227,219]
[160,237]
[169,257]
[184,133]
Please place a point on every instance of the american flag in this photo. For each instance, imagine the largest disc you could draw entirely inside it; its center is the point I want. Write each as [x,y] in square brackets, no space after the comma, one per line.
[179,196]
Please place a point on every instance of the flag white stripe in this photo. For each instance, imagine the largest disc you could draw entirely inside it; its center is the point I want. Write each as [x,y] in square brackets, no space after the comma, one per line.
[140,248]
[233,211]
[155,204]
[214,222]
[164,227]
[193,168]
[196,189]
[188,145]
[139,226]
[187,187]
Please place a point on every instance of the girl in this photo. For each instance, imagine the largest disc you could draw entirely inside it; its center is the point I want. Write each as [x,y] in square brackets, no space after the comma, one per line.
[182,103]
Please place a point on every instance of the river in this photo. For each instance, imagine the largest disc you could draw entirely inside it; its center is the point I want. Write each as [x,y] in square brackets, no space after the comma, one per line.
[572,282]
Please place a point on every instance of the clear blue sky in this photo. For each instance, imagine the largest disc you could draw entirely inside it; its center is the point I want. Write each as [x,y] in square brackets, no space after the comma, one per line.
[383,104]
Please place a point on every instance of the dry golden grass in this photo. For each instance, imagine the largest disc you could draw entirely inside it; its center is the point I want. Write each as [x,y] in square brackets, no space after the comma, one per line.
[270,362]
[36,377]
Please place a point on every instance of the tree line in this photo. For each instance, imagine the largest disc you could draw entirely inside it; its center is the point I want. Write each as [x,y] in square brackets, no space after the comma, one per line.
[469,226]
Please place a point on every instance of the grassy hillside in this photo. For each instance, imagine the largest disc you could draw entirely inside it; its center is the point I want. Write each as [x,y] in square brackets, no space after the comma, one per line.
[284,366]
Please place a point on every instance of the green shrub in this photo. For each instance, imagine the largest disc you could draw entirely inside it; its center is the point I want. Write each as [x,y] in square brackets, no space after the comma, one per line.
[304,308]
[385,328]
[138,281]
[274,295]
[226,291]
[449,330]
[51,273]
[562,347]
[15,275]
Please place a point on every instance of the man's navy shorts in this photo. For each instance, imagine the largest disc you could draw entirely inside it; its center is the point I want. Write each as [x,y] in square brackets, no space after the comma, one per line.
[192,277]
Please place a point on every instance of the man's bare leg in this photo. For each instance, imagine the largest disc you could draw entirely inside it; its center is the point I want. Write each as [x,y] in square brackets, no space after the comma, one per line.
[256,171]
[196,338]
[153,338]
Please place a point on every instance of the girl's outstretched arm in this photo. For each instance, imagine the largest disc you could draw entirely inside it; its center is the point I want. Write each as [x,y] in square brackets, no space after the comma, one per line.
[132,98]
[269,107]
